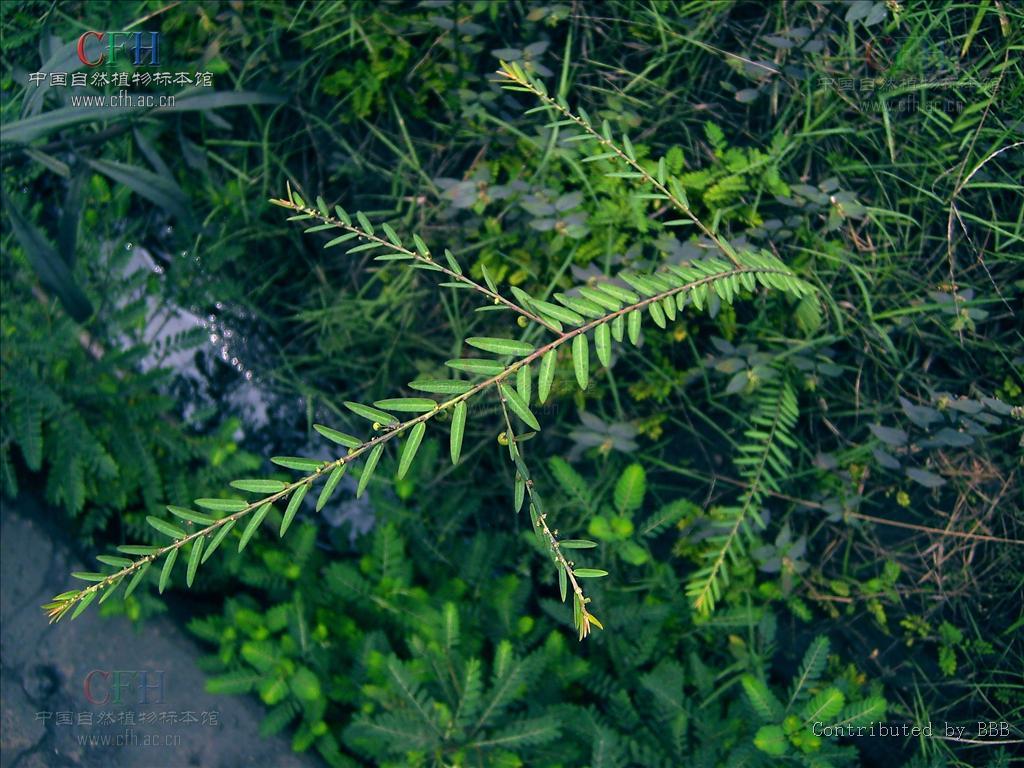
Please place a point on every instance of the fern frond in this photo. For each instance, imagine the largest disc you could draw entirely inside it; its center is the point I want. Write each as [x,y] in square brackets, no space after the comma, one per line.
[761,698]
[472,694]
[862,713]
[762,463]
[811,668]
[521,733]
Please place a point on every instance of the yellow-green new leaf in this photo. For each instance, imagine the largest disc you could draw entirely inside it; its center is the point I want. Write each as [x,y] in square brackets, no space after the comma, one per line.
[519,408]
[500,346]
[370,466]
[547,375]
[581,360]
[458,428]
[412,444]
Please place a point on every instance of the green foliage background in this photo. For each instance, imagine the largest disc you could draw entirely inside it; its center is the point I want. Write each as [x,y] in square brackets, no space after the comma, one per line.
[874,147]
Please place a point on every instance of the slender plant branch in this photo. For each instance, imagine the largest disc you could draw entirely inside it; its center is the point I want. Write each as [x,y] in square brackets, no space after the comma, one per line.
[515,74]
[62,603]
[585,618]
[337,223]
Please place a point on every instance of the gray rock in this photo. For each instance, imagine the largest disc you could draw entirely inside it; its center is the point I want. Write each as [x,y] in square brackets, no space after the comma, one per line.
[100,693]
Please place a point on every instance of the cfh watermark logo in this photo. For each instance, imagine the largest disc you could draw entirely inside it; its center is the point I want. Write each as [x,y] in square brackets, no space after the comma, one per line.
[124,686]
[98,48]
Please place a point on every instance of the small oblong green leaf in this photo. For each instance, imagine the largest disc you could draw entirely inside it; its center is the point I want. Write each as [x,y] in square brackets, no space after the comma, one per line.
[641,283]
[340,239]
[458,427]
[581,305]
[370,414]
[453,263]
[601,299]
[369,467]
[476,365]
[218,538]
[297,463]
[364,222]
[562,581]
[390,234]
[500,346]
[83,604]
[559,313]
[589,573]
[603,344]
[222,505]
[618,327]
[165,572]
[137,549]
[338,437]
[259,486]
[293,506]
[581,360]
[577,544]
[524,383]
[193,559]
[114,562]
[192,517]
[624,295]
[657,314]
[633,320]
[139,574]
[325,493]
[668,305]
[166,528]
[412,444]
[519,408]
[254,523]
[547,375]
[408,404]
[441,386]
